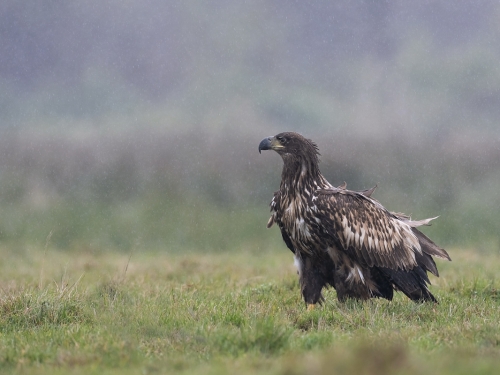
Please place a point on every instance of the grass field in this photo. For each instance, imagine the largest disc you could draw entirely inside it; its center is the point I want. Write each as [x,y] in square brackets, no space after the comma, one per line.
[241,312]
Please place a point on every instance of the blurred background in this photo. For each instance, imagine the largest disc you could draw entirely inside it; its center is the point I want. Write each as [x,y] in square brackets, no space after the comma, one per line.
[135,124]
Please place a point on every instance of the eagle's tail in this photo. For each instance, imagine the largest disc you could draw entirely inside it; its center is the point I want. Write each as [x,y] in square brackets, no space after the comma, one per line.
[426,244]
[412,283]
[429,247]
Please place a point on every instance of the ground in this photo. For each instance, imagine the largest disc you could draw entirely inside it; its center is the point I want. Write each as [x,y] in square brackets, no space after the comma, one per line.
[152,313]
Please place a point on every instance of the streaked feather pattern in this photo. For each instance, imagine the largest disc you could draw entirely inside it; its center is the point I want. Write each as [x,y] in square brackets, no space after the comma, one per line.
[367,230]
[344,238]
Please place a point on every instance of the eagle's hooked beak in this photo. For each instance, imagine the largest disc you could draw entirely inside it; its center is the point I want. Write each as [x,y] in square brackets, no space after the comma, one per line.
[266,144]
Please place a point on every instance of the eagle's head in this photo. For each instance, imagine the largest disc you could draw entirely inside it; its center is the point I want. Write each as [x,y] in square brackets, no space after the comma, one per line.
[291,145]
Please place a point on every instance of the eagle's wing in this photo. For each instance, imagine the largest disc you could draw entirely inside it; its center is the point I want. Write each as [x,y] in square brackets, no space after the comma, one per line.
[366,231]
[274,203]
[273,219]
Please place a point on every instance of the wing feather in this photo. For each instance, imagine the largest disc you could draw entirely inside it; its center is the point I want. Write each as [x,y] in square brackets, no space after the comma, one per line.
[366,231]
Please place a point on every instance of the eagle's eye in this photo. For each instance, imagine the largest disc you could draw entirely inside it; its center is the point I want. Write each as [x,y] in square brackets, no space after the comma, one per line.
[281,139]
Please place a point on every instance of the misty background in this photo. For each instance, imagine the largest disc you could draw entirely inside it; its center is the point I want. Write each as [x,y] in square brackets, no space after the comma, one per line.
[135,124]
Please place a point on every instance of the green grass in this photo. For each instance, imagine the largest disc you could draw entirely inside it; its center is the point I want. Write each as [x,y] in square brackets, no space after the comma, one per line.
[235,312]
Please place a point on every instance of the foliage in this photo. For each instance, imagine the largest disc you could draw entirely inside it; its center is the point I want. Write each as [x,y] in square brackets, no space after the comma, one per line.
[136,124]
[157,189]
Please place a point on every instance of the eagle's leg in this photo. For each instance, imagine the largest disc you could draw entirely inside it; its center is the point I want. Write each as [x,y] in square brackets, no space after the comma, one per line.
[340,285]
[311,281]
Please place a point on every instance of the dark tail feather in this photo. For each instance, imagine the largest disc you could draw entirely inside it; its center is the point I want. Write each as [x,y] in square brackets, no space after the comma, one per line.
[426,262]
[428,246]
[412,283]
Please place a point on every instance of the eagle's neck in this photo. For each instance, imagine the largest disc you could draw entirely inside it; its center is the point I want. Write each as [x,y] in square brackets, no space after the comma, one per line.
[301,175]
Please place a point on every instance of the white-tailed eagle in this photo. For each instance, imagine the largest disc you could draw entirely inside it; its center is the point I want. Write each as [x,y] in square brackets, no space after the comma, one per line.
[344,238]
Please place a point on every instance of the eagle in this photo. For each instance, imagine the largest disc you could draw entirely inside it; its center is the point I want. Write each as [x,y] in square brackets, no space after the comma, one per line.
[344,238]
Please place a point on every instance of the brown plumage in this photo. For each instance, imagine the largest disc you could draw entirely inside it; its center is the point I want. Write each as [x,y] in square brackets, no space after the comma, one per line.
[344,238]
